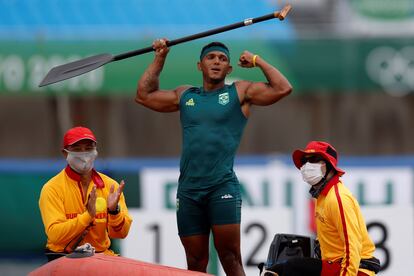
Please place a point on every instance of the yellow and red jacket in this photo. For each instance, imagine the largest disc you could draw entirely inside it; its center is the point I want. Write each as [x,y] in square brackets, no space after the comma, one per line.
[341,228]
[65,216]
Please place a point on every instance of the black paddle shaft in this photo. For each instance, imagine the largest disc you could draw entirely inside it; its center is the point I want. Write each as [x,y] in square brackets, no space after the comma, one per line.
[246,22]
[79,67]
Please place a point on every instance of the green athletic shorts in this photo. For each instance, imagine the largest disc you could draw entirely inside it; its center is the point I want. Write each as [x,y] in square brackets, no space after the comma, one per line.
[198,209]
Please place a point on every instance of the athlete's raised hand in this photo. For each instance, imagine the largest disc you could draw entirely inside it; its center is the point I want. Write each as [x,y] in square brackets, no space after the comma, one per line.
[160,47]
[248,60]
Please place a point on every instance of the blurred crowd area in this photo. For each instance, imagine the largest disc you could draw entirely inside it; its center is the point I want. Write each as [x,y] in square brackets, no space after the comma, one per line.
[368,124]
[351,64]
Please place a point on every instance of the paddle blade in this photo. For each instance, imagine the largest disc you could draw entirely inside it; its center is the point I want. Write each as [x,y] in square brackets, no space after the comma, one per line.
[75,68]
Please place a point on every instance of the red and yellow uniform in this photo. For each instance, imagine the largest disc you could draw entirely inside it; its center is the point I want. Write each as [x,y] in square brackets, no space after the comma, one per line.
[65,216]
[341,229]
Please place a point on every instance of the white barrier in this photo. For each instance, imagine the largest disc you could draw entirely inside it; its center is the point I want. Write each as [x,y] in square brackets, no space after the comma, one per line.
[276,200]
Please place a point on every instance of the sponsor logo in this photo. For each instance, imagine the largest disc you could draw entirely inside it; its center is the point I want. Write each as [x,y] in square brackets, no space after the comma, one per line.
[223,98]
[100,216]
[393,69]
[71,216]
[190,102]
[320,217]
[383,10]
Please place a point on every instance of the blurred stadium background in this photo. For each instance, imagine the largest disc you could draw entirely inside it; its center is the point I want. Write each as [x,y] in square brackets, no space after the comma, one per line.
[351,64]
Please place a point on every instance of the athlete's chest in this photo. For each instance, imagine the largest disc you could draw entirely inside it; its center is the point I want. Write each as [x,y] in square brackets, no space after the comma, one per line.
[217,107]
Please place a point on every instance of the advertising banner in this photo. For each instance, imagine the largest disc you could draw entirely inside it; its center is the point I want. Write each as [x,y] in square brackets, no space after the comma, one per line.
[276,200]
[343,65]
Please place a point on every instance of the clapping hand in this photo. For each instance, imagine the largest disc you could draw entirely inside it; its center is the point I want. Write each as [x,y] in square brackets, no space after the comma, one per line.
[113,197]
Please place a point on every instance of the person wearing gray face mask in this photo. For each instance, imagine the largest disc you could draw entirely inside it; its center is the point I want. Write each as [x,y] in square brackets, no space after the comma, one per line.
[81,162]
[345,246]
[313,173]
[81,205]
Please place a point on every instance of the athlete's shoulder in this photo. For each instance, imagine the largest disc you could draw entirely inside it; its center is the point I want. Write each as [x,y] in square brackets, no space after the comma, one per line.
[184,88]
[242,85]
[189,90]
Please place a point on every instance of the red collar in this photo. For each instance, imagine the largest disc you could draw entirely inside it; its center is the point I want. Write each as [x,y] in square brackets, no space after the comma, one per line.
[96,178]
[334,180]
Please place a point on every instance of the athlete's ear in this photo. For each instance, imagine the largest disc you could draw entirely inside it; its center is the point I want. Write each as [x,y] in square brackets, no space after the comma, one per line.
[199,66]
[230,69]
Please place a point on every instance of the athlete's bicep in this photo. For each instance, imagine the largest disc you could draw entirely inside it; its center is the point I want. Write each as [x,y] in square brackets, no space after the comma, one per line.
[163,100]
[261,93]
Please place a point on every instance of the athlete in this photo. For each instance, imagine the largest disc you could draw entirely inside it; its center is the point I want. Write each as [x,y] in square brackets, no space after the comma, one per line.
[212,119]
[80,205]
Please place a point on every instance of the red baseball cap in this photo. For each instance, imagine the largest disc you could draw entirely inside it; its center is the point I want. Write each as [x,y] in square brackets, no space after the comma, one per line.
[76,134]
[325,150]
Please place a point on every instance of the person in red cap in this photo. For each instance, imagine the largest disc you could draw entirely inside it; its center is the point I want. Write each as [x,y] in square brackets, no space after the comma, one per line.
[80,205]
[346,248]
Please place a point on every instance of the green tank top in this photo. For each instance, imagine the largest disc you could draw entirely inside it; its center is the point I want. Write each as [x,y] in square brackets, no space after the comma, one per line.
[212,125]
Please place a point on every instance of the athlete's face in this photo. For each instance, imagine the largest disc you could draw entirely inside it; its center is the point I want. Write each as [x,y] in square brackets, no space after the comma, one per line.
[215,66]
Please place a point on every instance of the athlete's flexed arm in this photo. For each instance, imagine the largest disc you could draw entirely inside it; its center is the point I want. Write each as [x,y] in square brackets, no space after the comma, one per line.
[261,93]
[148,92]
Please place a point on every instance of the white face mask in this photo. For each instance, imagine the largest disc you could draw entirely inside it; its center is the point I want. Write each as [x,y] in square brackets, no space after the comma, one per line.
[81,162]
[312,173]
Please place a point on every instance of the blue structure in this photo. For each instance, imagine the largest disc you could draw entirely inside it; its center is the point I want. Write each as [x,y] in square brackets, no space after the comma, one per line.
[132,19]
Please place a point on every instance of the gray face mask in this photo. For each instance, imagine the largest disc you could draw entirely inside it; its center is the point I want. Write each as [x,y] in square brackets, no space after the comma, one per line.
[81,162]
[312,173]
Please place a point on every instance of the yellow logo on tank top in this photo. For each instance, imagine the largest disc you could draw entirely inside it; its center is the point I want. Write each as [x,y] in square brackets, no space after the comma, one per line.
[190,102]
[223,98]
